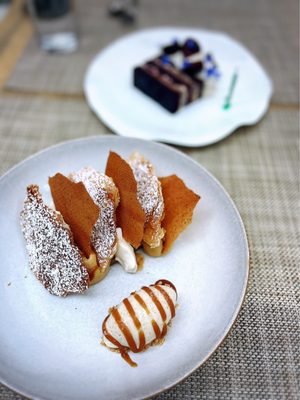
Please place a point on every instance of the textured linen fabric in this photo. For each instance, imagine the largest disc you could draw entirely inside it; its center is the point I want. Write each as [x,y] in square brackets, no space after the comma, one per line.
[269,28]
[259,167]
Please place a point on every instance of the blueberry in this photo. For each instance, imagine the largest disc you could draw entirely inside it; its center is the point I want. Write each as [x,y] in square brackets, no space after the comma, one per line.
[190,46]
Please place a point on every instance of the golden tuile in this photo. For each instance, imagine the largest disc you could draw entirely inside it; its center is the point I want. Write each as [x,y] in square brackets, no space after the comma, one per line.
[77,208]
[130,215]
[180,202]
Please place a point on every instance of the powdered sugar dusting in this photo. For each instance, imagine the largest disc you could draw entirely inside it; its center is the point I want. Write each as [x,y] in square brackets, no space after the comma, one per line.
[148,187]
[150,197]
[103,191]
[53,257]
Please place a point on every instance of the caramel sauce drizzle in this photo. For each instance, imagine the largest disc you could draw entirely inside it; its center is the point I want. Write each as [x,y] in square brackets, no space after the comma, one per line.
[126,331]
[123,350]
[160,308]
[137,324]
[164,282]
[144,305]
[168,300]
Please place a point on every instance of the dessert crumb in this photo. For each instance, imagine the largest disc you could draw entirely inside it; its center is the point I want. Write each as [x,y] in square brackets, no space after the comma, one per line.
[140,261]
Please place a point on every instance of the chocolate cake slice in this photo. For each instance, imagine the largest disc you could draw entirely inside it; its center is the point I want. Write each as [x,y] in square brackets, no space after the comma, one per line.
[176,77]
[161,87]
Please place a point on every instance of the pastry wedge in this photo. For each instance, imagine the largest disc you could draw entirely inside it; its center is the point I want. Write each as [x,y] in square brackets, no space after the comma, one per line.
[150,196]
[81,213]
[105,195]
[54,258]
[141,207]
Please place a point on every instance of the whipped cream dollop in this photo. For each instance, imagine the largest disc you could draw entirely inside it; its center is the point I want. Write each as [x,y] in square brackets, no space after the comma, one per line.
[125,254]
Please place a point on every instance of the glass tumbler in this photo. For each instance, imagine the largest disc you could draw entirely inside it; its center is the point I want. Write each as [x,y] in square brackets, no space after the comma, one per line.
[56,24]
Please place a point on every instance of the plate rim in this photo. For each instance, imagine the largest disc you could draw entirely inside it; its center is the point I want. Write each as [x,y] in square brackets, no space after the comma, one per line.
[245,287]
[193,143]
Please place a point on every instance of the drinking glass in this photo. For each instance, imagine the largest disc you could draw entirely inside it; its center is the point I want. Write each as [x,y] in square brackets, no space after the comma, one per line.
[56,24]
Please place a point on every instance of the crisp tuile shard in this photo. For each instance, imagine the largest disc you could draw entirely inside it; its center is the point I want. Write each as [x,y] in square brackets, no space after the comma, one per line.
[180,202]
[77,208]
[130,215]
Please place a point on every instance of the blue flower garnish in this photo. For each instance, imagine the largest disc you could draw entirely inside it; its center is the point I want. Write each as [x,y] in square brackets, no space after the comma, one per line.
[212,72]
[165,59]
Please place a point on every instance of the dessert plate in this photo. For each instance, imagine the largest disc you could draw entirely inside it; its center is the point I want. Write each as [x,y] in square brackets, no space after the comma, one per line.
[50,346]
[109,90]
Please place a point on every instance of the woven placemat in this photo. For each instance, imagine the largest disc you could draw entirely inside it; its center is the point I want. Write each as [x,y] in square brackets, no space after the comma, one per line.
[31,124]
[268,28]
[260,359]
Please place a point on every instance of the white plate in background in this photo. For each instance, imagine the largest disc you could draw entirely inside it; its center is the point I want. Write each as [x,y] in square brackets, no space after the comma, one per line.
[109,90]
[49,346]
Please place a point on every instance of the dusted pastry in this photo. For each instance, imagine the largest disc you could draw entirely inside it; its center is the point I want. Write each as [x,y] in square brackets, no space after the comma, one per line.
[103,191]
[150,197]
[53,256]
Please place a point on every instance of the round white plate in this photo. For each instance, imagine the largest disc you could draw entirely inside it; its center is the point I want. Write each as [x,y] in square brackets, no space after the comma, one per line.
[49,346]
[110,92]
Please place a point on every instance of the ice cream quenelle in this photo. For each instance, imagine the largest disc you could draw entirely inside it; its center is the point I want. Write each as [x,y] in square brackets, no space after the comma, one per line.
[140,320]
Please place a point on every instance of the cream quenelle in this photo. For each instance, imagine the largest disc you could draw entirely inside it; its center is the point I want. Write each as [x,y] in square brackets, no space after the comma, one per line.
[141,319]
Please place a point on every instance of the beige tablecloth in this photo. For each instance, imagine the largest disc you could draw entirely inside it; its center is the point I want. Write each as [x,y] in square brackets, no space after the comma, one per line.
[259,166]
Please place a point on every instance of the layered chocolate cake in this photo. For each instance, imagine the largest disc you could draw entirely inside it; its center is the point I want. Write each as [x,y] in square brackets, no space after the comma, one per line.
[177,76]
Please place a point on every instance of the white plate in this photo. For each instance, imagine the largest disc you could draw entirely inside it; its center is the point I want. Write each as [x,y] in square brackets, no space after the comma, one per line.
[128,112]
[49,346]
